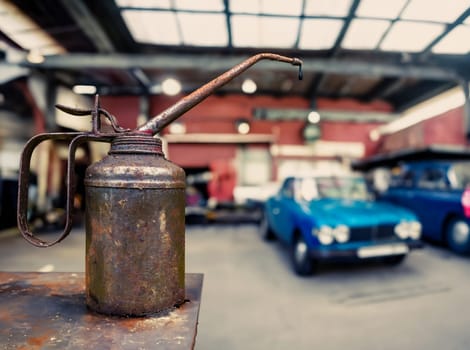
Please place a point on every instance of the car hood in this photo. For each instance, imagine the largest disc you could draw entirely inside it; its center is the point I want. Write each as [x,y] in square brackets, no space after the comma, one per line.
[356,213]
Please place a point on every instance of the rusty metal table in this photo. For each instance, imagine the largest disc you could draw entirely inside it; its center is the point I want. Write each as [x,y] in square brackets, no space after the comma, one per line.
[48,311]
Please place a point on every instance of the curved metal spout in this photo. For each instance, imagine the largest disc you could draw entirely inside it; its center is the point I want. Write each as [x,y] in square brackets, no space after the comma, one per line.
[157,123]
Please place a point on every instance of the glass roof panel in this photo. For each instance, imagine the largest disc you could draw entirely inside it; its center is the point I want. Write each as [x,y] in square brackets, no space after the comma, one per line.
[271,7]
[438,11]
[245,6]
[319,34]
[456,42]
[281,7]
[36,41]
[203,29]
[14,21]
[161,4]
[333,8]
[206,5]
[26,33]
[365,34]
[152,27]
[253,31]
[407,36]
[380,8]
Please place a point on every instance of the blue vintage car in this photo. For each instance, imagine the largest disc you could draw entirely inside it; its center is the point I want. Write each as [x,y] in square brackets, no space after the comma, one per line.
[322,218]
[437,192]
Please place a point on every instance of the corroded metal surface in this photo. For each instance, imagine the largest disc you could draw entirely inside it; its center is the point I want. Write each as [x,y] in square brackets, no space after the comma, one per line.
[47,311]
[134,229]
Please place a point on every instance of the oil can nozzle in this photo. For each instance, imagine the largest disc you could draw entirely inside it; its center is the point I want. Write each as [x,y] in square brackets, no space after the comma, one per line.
[157,123]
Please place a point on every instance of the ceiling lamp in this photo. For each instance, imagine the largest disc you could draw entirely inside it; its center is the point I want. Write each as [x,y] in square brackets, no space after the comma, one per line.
[84,89]
[249,86]
[171,87]
[313,117]
[35,57]
[243,126]
[177,128]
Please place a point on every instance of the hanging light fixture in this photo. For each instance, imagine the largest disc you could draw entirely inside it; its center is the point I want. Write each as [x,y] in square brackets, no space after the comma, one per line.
[249,86]
[243,126]
[171,87]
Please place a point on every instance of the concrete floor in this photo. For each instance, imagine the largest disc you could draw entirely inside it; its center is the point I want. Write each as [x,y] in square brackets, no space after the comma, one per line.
[252,300]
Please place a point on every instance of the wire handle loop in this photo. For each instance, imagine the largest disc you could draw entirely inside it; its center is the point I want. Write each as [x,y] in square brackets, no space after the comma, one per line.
[76,139]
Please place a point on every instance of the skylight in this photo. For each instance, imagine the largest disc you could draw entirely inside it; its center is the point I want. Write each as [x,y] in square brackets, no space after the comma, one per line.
[411,36]
[25,32]
[153,27]
[331,8]
[206,29]
[365,34]
[388,25]
[206,5]
[159,4]
[319,34]
[380,8]
[254,31]
[439,11]
[270,7]
[456,42]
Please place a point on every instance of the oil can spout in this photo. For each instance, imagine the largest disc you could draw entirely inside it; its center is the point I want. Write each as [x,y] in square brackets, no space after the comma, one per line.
[157,123]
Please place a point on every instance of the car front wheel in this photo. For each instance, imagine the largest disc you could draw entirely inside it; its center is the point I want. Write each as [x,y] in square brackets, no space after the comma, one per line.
[458,235]
[303,264]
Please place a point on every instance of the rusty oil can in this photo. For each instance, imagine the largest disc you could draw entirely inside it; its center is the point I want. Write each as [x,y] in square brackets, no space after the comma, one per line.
[135,229]
[135,203]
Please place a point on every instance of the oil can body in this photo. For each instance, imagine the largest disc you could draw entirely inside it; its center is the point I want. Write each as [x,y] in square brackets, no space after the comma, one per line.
[134,230]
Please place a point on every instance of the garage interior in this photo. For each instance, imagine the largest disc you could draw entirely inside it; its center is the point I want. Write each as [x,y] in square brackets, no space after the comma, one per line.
[380,84]
[379,78]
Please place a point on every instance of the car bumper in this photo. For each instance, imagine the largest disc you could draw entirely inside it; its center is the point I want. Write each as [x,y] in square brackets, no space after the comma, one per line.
[372,251]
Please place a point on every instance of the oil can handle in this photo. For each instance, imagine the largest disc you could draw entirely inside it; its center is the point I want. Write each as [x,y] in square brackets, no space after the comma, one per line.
[76,139]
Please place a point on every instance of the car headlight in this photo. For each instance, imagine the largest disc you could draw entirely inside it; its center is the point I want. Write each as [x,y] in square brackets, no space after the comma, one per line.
[324,234]
[401,230]
[408,229]
[415,229]
[341,233]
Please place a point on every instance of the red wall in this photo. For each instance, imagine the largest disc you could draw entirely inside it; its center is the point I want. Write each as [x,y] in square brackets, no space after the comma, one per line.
[124,108]
[448,128]
[217,114]
[199,155]
[445,129]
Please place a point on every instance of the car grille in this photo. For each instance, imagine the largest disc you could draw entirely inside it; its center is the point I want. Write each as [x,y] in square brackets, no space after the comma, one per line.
[372,233]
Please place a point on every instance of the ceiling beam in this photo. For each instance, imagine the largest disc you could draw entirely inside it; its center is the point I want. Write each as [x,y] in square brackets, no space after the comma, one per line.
[347,23]
[412,96]
[217,64]
[88,23]
[385,88]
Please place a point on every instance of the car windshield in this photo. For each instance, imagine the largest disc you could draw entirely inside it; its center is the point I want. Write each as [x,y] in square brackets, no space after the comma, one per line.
[332,187]
[459,175]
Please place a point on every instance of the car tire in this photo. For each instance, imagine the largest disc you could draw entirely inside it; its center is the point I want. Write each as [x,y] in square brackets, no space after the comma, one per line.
[458,235]
[394,260]
[303,264]
[264,229]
